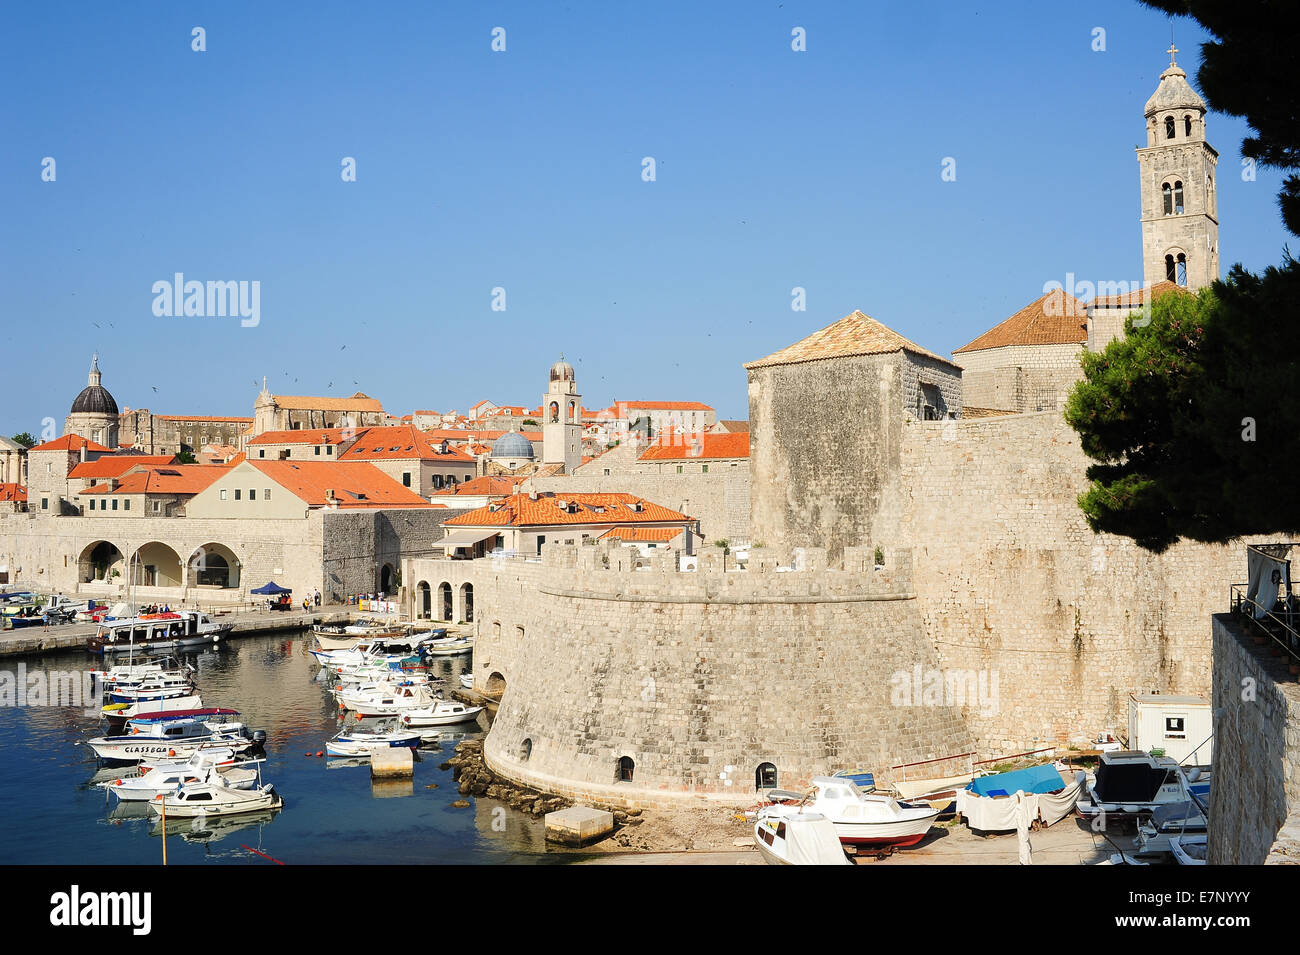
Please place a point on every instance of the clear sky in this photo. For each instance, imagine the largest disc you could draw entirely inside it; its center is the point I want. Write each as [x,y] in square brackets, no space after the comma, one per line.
[523,170]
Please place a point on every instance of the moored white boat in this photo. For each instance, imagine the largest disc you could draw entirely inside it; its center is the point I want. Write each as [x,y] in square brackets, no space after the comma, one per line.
[387,699]
[866,819]
[440,713]
[365,742]
[798,839]
[201,767]
[214,799]
[170,735]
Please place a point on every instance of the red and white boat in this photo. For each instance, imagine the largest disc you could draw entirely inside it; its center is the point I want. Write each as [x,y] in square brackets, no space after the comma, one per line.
[860,819]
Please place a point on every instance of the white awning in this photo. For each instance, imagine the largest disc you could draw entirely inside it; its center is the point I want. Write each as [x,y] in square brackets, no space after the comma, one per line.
[463,538]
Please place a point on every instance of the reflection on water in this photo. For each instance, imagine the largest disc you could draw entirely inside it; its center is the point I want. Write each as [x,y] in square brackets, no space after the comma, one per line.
[333,812]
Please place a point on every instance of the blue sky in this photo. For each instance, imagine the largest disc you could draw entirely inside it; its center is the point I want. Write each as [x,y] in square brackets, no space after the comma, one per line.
[523,170]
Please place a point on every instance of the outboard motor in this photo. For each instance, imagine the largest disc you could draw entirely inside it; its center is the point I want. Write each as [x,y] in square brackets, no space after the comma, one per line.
[259,739]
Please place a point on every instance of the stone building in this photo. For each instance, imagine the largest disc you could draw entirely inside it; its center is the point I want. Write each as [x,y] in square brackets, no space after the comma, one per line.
[826,429]
[562,419]
[1028,362]
[94,411]
[291,412]
[1180,213]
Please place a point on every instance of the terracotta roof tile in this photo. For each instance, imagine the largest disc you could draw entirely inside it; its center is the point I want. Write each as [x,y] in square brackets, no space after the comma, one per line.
[308,436]
[401,443]
[1056,318]
[114,465]
[71,442]
[660,535]
[358,402]
[663,405]
[13,493]
[177,479]
[487,484]
[704,446]
[854,334]
[355,484]
[1135,298]
[519,510]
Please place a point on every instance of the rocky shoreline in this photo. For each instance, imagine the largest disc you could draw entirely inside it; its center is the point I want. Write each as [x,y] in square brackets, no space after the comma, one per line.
[475,779]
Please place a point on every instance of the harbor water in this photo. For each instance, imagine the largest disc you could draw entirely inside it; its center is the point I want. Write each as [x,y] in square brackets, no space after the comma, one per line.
[333,813]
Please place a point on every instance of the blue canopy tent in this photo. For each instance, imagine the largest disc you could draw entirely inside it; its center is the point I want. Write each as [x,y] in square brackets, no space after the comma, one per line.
[1036,779]
[270,590]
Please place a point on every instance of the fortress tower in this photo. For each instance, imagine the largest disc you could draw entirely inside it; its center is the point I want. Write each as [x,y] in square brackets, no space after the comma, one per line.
[1180,217]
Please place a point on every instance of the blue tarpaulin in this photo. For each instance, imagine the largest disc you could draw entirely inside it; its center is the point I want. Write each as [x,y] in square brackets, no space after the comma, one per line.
[1035,779]
[271,588]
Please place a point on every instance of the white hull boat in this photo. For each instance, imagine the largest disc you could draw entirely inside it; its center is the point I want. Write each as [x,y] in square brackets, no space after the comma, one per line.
[861,819]
[799,839]
[198,769]
[440,713]
[208,799]
[388,700]
[363,743]
[1189,849]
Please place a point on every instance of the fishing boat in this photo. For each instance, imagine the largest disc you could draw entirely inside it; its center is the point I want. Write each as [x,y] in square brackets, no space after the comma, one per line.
[161,687]
[173,734]
[450,647]
[860,819]
[169,631]
[215,799]
[387,699]
[364,742]
[440,713]
[330,638]
[1130,785]
[798,839]
[467,680]
[120,713]
[201,767]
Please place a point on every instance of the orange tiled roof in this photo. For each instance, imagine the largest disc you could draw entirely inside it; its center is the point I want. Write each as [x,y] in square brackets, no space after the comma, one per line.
[854,334]
[664,405]
[177,479]
[487,484]
[355,484]
[14,493]
[1134,299]
[70,442]
[735,426]
[478,434]
[358,402]
[677,446]
[114,465]
[401,443]
[308,436]
[1056,318]
[660,535]
[519,510]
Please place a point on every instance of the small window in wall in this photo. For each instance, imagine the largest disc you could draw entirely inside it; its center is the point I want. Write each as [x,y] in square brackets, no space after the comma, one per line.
[266,494]
[261,452]
[765,776]
[705,468]
[223,493]
[329,450]
[45,504]
[92,503]
[126,504]
[157,506]
[519,633]
[317,450]
[525,750]
[1169,127]
[1187,125]
[103,504]
[115,504]
[679,469]
[236,494]
[1174,727]
[626,767]
[1178,197]
[406,479]
[606,472]
[252,494]
[1167,199]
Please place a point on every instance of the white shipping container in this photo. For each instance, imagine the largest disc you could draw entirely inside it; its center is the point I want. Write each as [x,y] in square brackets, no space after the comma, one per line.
[1176,724]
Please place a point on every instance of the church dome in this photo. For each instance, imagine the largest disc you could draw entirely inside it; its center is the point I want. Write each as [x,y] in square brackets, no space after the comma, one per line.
[512,444]
[94,398]
[1174,93]
[561,371]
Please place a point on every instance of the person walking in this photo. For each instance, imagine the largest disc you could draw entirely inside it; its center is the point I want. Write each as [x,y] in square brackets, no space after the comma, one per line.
[317,594]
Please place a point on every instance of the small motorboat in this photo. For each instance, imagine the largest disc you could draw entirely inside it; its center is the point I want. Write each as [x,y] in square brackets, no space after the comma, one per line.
[1130,785]
[387,699]
[1168,822]
[1189,849]
[440,713]
[364,742]
[200,768]
[171,735]
[215,799]
[449,648]
[801,838]
[467,680]
[861,819]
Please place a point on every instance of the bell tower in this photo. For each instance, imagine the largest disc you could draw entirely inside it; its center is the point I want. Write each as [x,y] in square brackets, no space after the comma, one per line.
[562,418]
[1180,212]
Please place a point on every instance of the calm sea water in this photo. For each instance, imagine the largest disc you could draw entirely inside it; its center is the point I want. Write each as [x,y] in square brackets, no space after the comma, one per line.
[333,813]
